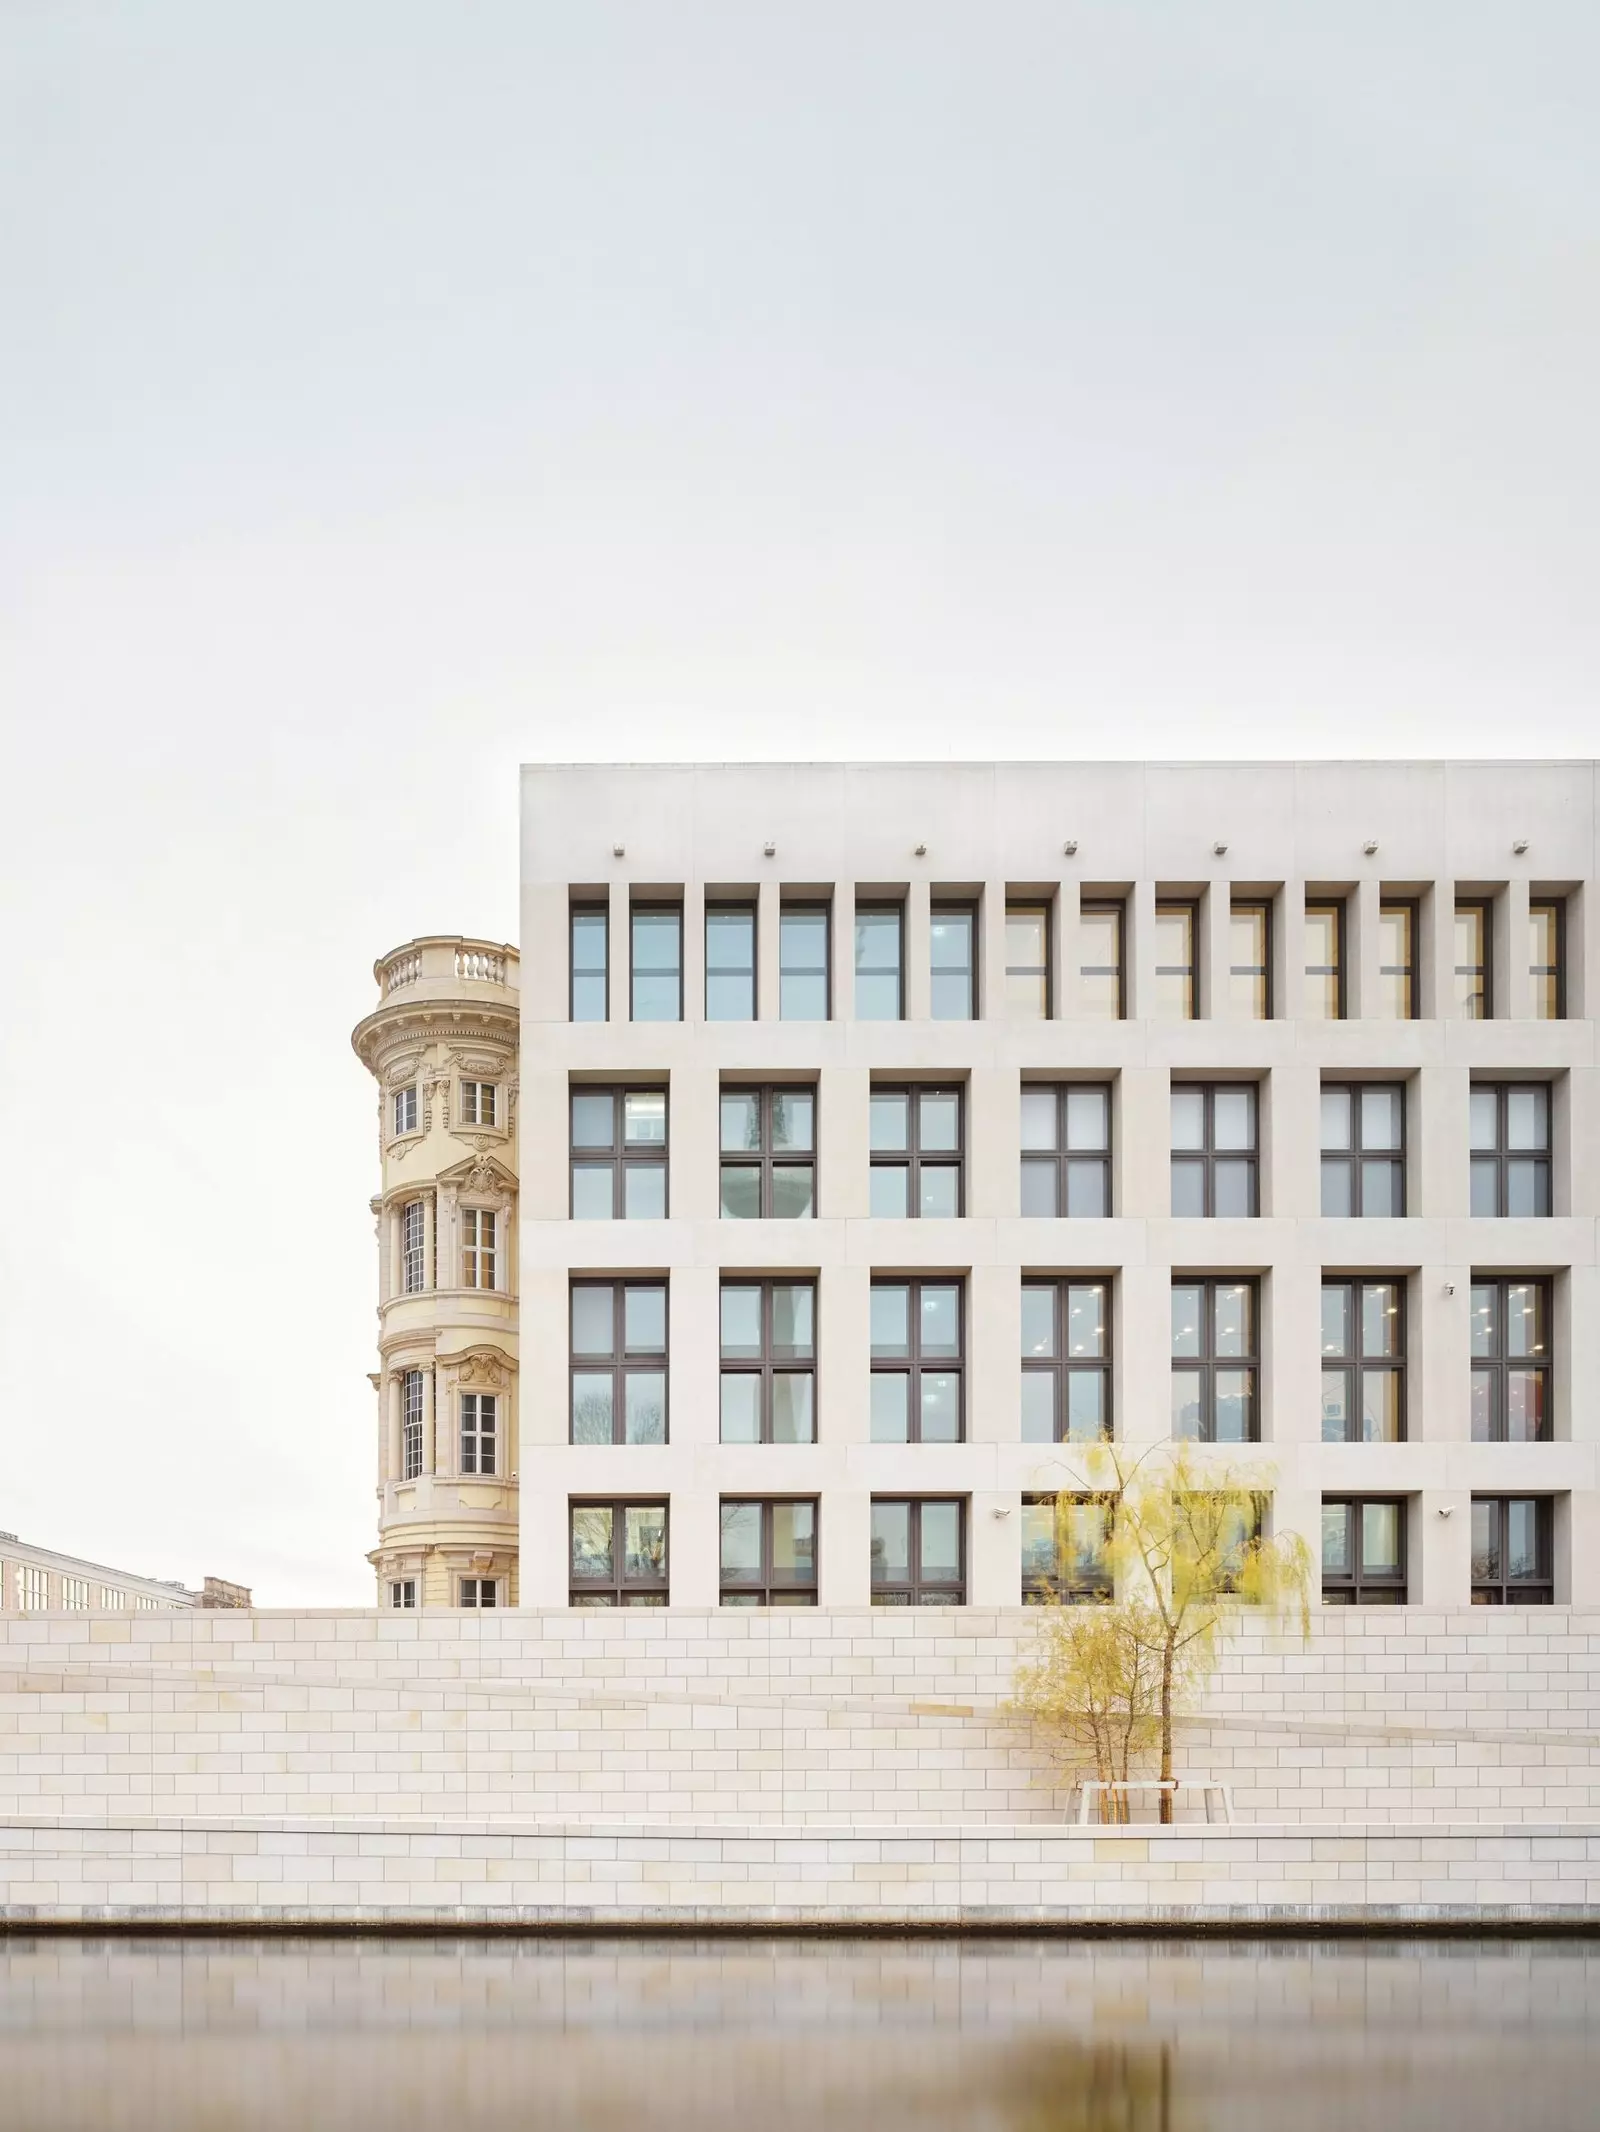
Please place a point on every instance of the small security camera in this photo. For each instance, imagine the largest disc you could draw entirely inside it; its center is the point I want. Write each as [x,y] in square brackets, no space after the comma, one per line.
[1449,1287]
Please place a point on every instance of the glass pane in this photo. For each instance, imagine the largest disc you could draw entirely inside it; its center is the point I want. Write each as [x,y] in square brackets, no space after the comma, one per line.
[1394,996]
[591,1407]
[1100,957]
[939,1401]
[1336,1117]
[1174,964]
[1187,1387]
[1527,1186]
[1470,962]
[1382,1112]
[794,1192]
[1039,1186]
[802,998]
[741,1407]
[1027,996]
[741,1122]
[1187,1300]
[1336,1539]
[891,1542]
[1483,1406]
[939,1187]
[1234,1186]
[939,1121]
[1233,1117]
[593,1325]
[1525,1417]
[1039,1539]
[730,996]
[1099,996]
[794,1543]
[645,1418]
[1336,1320]
[1381,1189]
[1247,957]
[1380,1318]
[741,1323]
[1380,1539]
[877,966]
[1088,1119]
[1025,938]
[1038,1320]
[888,1187]
[794,1112]
[1086,1319]
[588,998]
[949,997]
[1524,1557]
[792,1421]
[740,1192]
[741,1541]
[1336,1180]
[655,997]
[877,998]
[655,941]
[941,1541]
[803,941]
[1485,1543]
[1485,1186]
[940,1319]
[1086,1408]
[644,1320]
[645,1541]
[1525,1334]
[1380,1406]
[1235,1397]
[888,1121]
[793,1316]
[950,940]
[1528,1118]
[1335,1406]
[1235,1319]
[591,1543]
[644,1191]
[589,940]
[1485,1115]
[891,1407]
[1038,1406]
[1188,1186]
[730,940]
[592,1187]
[592,1118]
[1188,1118]
[891,1320]
[1038,1118]
[1087,1180]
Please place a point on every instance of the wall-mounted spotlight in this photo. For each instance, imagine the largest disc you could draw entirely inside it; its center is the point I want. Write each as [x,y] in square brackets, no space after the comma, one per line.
[616,851]
[1449,1287]
[1070,847]
[1219,850]
[921,850]
[768,849]
[1519,845]
[1370,846]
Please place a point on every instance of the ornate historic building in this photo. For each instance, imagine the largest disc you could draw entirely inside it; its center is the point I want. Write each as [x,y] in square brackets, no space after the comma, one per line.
[442,1046]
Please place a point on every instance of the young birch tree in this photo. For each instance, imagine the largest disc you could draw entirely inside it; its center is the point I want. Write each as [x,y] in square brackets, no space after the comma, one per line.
[1091,1688]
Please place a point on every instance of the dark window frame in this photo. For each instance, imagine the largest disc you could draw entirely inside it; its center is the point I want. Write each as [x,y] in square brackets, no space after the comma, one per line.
[1206,1157]
[766,1366]
[485,1593]
[920,1590]
[1355,1363]
[1044,909]
[622,1358]
[762,1588]
[1359,1586]
[402,1594]
[1503,1155]
[1322,906]
[1063,1585]
[650,907]
[1108,907]
[479,1437]
[1410,908]
[808,907]
[911,1157]
[765,1158]
[733,907]
[1497,1367]
[911,1365]
[1063,1157]
[1205,1365]
[947,908]
[1062,1366]
[1189,907]
[1358,1154]
[656,1154]
[1557,906]
[1483,907]
[1504,1589]
[1253,906]
[575,911]
[619,1589]
[880,908]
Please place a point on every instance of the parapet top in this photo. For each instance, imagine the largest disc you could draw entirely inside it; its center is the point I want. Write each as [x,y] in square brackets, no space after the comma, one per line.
[447,958]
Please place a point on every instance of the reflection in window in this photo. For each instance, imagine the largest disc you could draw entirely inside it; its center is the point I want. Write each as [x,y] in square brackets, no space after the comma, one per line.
[1215,1361]
[619,1154]
[1102,995]
[953,959]
[880,961]
[1323,996]
[768,1159]
[916,1390]
[1066,1361]
[1066,1548]
[1510,1340]
[1214,1151]
[803,962]
[1397,963]
[918,1551]
[1512,1554]
[730,963]
[1177,993]
[618,1554]
[1470,997]
[1510,1134]
[1364,1552]
[1363,1362]
[656,970]
[1363,1149]
[590,926]
[619,1362]
[769,1552]
[1028,961]
[1066,1150]
[769,1362]
[1250,961]
[1546,960]
[915,1160]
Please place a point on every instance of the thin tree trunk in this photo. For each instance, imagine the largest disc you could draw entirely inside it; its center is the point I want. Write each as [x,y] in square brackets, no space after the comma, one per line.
[1166,1728]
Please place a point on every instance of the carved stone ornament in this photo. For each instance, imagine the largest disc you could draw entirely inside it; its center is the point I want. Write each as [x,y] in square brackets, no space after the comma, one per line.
[401,1072]
[481,1369]
[480,1141]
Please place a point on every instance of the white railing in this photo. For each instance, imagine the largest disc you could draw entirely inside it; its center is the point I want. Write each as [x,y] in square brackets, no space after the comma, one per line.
[479,968]
[401,970]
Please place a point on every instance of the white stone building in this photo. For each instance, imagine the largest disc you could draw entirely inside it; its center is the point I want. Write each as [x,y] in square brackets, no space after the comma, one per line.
[42,1580]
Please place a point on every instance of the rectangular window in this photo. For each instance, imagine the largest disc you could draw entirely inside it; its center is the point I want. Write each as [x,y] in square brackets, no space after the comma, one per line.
[1511,1361]
[915,1137]
[730,962]
[1363,1149]
[405,1111]
[1066,1150]
[1471,998]
[917,1362]
[1177,992]
[619,1362]
[1363,1362]
[1364,1551]
[1066,1549]
[478,1102]
[411,1424]
[803,988]
[1250,961]
[413,1229]
[880,962]
[768,1154]
[479,1591]
[1510,1148]
[769,1552]
[953,962]
[619,1154]
[113,1597]
[75,1594]
[1066,1361]
[1397,963]
[1102,995]
[618,1554]
[1216,1358]
[655,971]
[403,1592]
[1547,958]
[1214,1154]
[479,1414]
[591,979]
[919,1551]
[478,1247]
[1512,1551]
[769,1362]
[33,1589]
[1028,962]
[1323,997]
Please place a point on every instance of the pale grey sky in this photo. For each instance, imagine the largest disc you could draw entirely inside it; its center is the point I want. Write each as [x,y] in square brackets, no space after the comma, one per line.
[390,393]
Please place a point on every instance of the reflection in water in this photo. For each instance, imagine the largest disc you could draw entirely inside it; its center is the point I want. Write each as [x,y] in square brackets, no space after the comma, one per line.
[526,2035]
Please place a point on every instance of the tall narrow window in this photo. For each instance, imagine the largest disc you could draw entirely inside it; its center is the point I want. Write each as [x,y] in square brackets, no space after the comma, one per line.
[1510,1361]
[915,1162]
[479,1103]
[411,1424]
[880,962]
[1363,1362]
[1066,1549]
[1066,1361]
[1363,1149]
[1177,993]
[730,962]
[617,1554]
[916,1362]
[1215,1360]
[1397,963]
[919,1553]
[1473,932]
[478,1248]
[1512,1554]
[769,1552]
[619,1154]
[1250,961]
[619,1362]
[75,1594]
[413,1225]
[1214,1154]
[656,969]
[1028,961]
[803,963]
[33,1589]
[405,1111]
[1547,961]
[953,962]
[1102,995]
[1364,1551]
[479,1413]
[591,927]
[1323,996]
[1510,1148]
[769,1154]
[769,1362]
[1066,1150]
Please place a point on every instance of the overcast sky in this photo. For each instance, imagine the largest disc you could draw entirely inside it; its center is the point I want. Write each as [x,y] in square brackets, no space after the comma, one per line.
[393,392]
